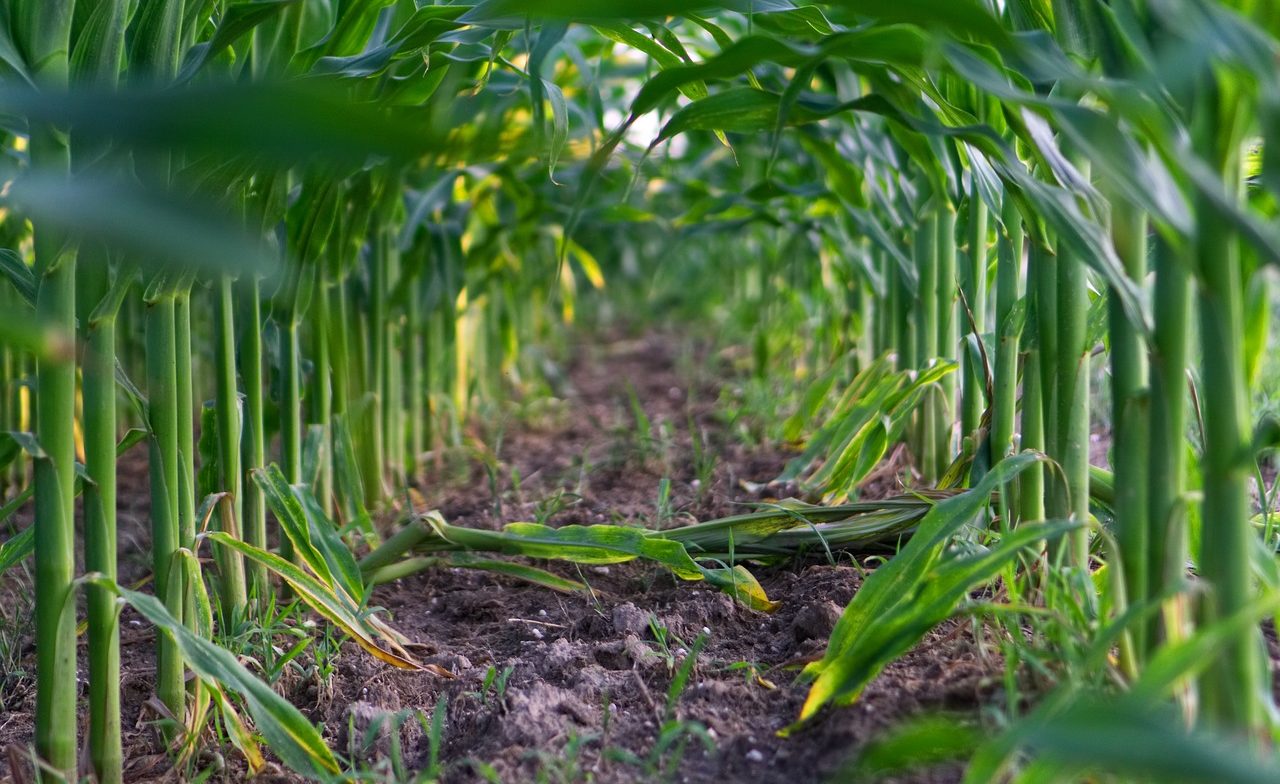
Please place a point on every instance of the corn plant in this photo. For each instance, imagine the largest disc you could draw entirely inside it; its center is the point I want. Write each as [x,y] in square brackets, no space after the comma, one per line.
[926,218]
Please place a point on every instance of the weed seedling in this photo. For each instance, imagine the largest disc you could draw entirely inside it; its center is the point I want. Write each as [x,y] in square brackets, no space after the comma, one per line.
[553,504]
[564,767]
[681,679]
[704,458]
[662,510]
[434,730]
[752,673]
[664,639]
[495,684]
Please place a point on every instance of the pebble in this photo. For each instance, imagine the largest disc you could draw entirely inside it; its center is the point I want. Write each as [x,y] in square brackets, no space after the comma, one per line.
[706,630]
[815,621]
[542,613]
[537,632]
[629,619]
[755,756]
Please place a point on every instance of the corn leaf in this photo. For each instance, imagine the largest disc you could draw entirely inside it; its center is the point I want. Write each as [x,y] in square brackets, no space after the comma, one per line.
[607,544]
[294,739]
[333,605]
[902,599]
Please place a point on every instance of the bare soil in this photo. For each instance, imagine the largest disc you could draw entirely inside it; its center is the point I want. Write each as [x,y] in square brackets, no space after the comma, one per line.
[586,678]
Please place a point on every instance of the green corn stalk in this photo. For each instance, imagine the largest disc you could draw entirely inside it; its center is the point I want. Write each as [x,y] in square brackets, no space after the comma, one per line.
[232,592]
[926,337]
[99,393]
[253,447]
[1232,684]
[162,414]
[1130,417]
[415,379]
[379,367]
[1167,473]
[1070,498]
[153,59]
[1005,382]
[948,343]
[322,396]
[1036,379]
[974,282]
[186,432]
[41,32]
[8,409]
[99,36]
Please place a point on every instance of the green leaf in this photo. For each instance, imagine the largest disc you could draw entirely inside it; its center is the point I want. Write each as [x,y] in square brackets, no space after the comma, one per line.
[18,547]
[902,599]
[150,225]
[1127,738]
[898,45]
[917,743]
[332,604]
[290,123]
[16,271]
[236,21]
[746,109]
[515,13]
[606,544]
[465,560]
[289,735]
[959,18]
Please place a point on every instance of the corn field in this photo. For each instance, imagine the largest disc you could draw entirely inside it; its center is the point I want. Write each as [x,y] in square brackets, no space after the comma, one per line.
[337,335]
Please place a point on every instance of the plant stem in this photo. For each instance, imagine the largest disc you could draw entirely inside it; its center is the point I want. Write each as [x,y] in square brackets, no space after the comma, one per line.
[186,434]
[253,439]
[55,733]
[1130,415]
[975,290]
[231,568]
[1167,536]
[99,392]
[948,344]
[162,409]
[1005,383]
[1233,682]
[926,335]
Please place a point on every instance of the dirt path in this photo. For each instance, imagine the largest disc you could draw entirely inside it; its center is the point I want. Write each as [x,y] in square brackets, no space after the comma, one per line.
[580,685]
[586,698]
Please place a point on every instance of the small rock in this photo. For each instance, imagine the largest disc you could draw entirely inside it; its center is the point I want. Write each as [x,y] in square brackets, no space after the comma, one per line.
[453,662]
[629,619]
[815,621]
[542,613]
[755,755]
[562,655]
[545,711]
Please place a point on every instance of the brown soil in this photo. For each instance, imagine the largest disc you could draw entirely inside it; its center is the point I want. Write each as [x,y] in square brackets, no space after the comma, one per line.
[586,695]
